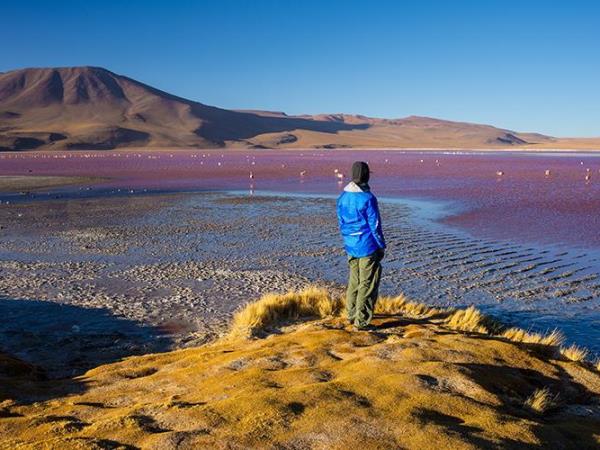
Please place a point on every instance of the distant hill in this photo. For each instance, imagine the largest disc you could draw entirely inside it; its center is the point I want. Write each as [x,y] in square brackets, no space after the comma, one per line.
[93,108]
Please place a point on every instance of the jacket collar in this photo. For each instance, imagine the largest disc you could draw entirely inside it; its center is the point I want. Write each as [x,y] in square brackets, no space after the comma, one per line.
[353,187]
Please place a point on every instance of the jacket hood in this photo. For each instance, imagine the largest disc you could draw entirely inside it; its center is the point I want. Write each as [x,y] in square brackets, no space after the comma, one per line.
[353,187]
[360,172]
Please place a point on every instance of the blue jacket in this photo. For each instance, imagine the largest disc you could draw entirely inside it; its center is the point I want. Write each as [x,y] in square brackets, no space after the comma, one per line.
[360,222]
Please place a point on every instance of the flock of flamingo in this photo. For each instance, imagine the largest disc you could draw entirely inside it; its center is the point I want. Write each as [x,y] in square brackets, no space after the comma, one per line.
[249,158]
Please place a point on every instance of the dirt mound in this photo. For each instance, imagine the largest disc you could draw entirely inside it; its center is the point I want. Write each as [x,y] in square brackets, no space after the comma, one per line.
[412,383]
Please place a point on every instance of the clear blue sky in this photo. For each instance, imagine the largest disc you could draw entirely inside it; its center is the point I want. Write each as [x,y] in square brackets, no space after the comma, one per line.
[526,65]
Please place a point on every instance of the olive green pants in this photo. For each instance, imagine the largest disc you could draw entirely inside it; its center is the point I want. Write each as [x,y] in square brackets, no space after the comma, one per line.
[363,288]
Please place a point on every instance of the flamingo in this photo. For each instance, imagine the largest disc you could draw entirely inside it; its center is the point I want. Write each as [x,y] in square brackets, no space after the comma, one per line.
[499,173]
[547,172]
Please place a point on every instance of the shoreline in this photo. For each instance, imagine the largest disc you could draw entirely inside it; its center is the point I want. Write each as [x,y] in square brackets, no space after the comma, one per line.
[9,184]
[591,151]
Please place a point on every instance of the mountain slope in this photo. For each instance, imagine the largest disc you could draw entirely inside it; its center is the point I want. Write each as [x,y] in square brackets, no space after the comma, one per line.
[93,108]
[89,107]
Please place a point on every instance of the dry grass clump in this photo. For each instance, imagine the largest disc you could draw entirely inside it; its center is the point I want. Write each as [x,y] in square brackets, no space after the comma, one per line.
[540,401]
[598,365]
[470,319]
[401,305]
[272,309]
[574,353]
[314,302]
[554,338]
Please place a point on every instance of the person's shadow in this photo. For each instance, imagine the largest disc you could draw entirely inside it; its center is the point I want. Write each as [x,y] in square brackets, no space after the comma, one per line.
[48,340]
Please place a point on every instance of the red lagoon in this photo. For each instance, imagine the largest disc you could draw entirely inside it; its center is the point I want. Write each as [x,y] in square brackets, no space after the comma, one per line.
[525,197]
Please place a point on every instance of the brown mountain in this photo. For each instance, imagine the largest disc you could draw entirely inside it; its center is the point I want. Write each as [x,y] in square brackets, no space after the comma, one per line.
[93,108]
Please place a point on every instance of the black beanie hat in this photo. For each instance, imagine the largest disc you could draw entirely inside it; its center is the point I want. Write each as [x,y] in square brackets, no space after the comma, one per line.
[360,172]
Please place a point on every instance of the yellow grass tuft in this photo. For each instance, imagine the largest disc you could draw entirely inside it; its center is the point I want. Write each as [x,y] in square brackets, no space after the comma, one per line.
[314,302]
[554,338]
[540,401]
[272,309]
[469,319]
[574,353]
[598,364]
[401,305]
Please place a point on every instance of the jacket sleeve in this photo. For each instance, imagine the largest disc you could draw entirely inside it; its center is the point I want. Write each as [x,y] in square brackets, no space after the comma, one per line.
[374,221]
[339,212]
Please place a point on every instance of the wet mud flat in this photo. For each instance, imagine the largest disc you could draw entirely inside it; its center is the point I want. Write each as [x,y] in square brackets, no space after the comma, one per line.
[90,280]
[86,281]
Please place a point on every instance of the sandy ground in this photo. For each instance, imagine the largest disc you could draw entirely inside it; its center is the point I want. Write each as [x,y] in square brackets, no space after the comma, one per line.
[103,278]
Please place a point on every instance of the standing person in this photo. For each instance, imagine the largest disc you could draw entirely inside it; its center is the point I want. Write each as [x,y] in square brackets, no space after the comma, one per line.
[360,225]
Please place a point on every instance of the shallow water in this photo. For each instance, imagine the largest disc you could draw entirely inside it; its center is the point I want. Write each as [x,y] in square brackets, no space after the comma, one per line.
[534,286]
[523,204]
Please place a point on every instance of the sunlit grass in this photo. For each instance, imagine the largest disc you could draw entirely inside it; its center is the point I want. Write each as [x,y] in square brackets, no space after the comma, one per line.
[272,309]
[553,338]
[574,353]
[540,401]
[401,305]
[314,302]
[469,319]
